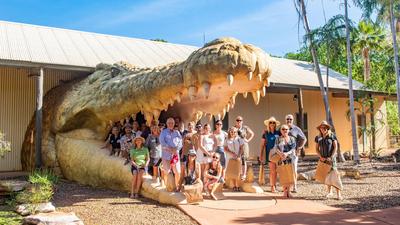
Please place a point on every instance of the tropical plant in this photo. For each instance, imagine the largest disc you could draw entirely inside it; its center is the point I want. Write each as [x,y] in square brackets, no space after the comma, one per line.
[367,37]
[5,146]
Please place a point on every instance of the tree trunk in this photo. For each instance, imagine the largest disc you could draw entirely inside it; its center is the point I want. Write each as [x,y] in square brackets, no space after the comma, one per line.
[316,63]
[352,113]
[396,57]
[367,64]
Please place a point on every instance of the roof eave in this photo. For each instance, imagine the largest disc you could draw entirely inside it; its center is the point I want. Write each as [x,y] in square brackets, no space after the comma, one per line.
[17,63]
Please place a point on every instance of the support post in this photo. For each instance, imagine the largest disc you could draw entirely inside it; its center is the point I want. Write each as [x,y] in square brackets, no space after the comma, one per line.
[38,118]
[300,108]
[372,118]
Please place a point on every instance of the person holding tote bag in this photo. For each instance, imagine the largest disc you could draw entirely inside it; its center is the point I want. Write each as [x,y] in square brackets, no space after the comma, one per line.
[326,148]
[285,148]
[267,144]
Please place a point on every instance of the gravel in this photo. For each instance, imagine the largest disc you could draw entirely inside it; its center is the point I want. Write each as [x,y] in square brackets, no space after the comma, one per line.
[102,206]
[378,188]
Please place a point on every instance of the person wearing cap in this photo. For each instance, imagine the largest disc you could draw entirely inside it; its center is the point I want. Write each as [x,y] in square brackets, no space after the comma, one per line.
[126,142]
[301,140]
[190,170]
[326,149]
[267,143]
[187,142]
[247,135]
[139,156]
[171,142]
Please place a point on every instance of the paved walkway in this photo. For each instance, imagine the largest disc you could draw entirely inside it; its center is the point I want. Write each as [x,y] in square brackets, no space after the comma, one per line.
[245,208]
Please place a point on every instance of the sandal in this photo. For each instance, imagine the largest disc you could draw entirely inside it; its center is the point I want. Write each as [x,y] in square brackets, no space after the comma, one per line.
[133,196]
[243,177]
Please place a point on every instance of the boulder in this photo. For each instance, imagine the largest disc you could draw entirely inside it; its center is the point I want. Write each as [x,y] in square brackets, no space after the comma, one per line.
[252,188]
[308,175]
[353,173]
[54,218]
[26,209]
[12,185]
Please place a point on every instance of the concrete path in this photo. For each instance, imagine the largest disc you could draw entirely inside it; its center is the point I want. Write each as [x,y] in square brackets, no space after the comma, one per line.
[246,208]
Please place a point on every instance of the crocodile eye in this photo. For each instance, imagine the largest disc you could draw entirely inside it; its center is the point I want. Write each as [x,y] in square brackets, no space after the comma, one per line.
[115,71]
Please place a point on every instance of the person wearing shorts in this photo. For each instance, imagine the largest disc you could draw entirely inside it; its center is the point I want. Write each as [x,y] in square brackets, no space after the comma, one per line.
[220,137]
[171,142]
[154,146]
[139,158]
[247,135]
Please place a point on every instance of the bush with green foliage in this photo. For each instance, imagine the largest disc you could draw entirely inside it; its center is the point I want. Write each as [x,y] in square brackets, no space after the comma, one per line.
[41,189]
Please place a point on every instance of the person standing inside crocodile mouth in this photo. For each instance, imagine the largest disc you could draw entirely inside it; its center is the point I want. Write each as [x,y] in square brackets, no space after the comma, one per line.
[171,142]
[247,135]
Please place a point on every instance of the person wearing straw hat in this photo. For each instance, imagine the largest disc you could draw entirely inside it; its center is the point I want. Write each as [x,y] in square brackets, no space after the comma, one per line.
[140,159]
[267,144]
[326,148]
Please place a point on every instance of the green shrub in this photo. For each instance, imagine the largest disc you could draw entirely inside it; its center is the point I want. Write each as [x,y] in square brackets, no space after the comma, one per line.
[9,217]
[41,189]
[5,146]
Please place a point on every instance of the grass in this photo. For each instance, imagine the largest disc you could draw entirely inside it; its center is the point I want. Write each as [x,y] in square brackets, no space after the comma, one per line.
[8,216]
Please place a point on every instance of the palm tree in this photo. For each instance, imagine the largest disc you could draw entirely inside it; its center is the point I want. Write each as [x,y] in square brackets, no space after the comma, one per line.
[352,113]
[386,12]
[301,9]
[367,38]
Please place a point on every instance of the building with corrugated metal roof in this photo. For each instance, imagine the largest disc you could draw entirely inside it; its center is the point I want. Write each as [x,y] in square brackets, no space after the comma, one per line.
[59,55]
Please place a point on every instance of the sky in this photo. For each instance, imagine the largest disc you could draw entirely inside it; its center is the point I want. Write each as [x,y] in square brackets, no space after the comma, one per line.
[269,24]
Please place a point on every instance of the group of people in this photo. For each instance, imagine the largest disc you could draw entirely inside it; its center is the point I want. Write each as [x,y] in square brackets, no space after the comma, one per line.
[201,155]
[282,144]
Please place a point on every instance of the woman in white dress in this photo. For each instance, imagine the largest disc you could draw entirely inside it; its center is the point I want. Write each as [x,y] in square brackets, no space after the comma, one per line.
[233,150]
[206,147]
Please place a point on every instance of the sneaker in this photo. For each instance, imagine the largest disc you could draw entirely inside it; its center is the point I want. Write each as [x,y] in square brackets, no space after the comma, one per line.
[330,195]
[339,198]
[126,162]
[221,180]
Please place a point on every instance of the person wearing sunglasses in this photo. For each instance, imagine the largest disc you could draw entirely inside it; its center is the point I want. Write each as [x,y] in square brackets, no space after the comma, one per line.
[187,142]
[220,137]
[285,148]
[247,135]
[301,140]
[267,144]
[326,148]
[212,174]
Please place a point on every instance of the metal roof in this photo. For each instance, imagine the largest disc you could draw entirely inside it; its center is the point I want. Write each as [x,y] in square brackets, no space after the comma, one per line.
[287,72]
[55,46]
[78,50]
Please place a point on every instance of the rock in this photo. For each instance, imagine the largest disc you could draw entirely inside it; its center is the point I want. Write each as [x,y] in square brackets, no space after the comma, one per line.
[396,156]
[309,175]
[353,173]
[54,218]
[26,209]
[252,188]
[12,185]
[347,155]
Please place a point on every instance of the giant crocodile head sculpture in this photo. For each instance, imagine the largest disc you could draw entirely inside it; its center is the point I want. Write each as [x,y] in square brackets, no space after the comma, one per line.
[76,114]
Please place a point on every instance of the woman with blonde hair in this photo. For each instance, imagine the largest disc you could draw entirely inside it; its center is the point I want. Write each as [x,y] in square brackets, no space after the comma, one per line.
[234,149]
[139,156]
[285,148]
[326,148]
[267,144]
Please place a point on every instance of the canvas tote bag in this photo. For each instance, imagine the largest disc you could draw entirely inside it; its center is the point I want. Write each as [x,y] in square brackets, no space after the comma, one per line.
[333,179]
[285,172]
[233,169]
[323,168]
[193,193]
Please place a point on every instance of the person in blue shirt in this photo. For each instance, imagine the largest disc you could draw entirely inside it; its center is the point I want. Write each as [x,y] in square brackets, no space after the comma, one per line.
[267,144]
[171,142]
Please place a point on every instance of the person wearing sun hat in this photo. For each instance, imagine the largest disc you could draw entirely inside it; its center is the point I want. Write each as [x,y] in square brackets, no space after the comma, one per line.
[326,149]
[140,159]
[267,144]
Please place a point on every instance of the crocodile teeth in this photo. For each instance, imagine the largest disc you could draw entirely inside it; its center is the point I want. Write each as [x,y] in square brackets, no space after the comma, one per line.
[209,117]
[228,107]
[229,78]
[148,117]
[206,89]
[217,116]
[192,92]
[233,99]
[178,97]
[259,76]
[256,97]
[263,91]
[250,75]
[223,113]
[156,114]
[245,94]
[266,83]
